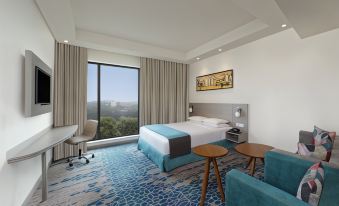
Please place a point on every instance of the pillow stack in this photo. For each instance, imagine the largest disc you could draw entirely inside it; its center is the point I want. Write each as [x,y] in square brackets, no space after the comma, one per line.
[197,119]
[321,146]
[212,122]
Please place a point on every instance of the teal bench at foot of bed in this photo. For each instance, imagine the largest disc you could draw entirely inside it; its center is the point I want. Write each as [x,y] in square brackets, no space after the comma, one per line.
[165,163]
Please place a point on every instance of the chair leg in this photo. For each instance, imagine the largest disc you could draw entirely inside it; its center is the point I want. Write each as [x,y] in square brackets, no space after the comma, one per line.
[70,162]
[80,153]
[84,157]
[92,154]
[80,156]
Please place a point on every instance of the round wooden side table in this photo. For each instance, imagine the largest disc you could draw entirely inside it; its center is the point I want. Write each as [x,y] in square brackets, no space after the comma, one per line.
[211,152]
[253,151]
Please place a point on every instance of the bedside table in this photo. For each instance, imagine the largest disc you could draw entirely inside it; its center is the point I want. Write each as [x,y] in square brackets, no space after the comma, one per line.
[237,137]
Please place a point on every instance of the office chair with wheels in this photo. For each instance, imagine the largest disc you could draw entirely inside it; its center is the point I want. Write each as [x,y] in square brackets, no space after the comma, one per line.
[88,134]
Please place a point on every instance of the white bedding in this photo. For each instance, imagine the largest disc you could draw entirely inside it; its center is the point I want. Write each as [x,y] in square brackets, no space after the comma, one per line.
[200,134]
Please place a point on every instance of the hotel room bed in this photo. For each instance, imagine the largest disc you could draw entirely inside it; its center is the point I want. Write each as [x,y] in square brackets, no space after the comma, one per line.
[156,147]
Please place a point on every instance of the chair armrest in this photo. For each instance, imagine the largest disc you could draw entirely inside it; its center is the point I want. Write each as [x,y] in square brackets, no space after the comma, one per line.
[285,170]
[305,137]
[242,189]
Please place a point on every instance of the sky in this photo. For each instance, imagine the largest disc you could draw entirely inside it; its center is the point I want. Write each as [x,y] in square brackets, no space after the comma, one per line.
[117,83]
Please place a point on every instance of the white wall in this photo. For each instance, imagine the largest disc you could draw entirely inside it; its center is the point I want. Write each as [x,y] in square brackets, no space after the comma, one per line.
[288,82]
[113,58]
[22,27]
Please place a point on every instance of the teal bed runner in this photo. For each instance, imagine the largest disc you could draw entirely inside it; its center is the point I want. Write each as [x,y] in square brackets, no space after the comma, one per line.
[179,142]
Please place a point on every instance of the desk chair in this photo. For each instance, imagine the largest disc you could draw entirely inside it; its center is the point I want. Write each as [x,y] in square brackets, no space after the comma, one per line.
[88,134]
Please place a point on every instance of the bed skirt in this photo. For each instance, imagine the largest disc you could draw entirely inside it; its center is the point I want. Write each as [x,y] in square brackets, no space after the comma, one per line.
[165,163]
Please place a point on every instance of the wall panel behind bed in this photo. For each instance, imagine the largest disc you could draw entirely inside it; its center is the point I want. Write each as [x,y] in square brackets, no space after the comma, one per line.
[222,111]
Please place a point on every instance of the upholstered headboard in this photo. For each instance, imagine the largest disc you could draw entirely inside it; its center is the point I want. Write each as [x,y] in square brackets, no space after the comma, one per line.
[222,111]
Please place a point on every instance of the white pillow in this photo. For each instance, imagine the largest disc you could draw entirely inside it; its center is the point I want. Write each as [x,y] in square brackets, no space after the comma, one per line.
[197,118]
[216,121]
[216,125]
[195,122]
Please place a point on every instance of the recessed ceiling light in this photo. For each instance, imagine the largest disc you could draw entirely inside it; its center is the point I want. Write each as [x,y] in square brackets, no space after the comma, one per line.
[219,50]
[65,41]
[283,25]
[198,58]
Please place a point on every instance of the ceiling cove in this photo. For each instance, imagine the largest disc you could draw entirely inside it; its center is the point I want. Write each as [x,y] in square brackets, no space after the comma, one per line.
[181,31]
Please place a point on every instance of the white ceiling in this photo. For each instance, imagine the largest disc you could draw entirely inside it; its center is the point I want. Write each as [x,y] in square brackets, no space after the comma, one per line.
[178,30]
[311,17]
[180,25]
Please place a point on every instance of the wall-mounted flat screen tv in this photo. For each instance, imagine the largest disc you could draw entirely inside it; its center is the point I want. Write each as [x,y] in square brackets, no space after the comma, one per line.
[38,86]
[42,87]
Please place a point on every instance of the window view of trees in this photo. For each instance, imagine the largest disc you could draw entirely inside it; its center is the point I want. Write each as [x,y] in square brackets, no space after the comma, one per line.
[118,96]
[117,119]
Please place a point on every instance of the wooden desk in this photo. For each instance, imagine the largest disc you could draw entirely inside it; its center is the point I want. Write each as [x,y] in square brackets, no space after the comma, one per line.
[211,152]
[38,145]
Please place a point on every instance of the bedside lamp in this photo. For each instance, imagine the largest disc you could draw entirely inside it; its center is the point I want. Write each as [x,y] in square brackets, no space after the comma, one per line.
[237,112]
[190,109]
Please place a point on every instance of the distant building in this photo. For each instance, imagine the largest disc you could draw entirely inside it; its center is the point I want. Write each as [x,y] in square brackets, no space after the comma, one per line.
[114,103]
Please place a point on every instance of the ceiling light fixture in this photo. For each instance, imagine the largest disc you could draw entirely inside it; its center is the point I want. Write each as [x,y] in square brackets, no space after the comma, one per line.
[219,50]
[283,25]
[65,41]
[198,58]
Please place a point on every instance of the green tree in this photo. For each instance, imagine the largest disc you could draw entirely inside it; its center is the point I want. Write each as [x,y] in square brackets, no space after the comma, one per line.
[123,126]
[128,126]
[109,128]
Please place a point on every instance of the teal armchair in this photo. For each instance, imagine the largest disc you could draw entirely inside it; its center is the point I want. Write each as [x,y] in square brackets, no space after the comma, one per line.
[283,173]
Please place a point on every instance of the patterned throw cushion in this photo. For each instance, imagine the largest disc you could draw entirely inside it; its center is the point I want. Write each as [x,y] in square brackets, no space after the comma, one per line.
[315,151]
[322,137]
[311,185]
[322,145]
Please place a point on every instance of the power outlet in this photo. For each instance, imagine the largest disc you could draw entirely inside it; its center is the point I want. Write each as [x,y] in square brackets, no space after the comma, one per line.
[240,125]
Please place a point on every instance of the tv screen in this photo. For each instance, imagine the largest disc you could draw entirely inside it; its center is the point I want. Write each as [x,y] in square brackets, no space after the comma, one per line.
[42,87]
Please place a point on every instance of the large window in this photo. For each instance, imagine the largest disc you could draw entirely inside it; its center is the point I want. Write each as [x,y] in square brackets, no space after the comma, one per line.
[112,98]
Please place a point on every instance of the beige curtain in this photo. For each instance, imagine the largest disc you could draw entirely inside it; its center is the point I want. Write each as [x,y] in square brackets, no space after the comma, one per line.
[163,91]
[70,93]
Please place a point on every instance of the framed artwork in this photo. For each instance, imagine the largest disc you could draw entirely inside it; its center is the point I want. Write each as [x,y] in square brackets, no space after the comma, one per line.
[219,80]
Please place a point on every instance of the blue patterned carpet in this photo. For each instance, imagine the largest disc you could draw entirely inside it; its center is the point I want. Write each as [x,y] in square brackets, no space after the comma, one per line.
[122,175]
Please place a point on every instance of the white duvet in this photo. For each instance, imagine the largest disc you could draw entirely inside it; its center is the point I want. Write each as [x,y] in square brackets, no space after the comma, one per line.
[200,134]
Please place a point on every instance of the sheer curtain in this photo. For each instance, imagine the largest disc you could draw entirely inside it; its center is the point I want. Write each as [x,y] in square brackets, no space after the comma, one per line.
[70,93]
[163,91]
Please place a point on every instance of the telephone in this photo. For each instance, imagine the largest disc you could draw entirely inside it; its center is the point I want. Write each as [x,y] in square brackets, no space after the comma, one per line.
[234,130]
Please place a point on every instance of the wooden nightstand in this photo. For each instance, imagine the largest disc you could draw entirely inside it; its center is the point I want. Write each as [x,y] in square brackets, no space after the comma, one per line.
[237,137]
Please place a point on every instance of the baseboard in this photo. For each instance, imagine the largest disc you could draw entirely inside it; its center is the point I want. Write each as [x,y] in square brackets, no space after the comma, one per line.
[111,142]
[35,187]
